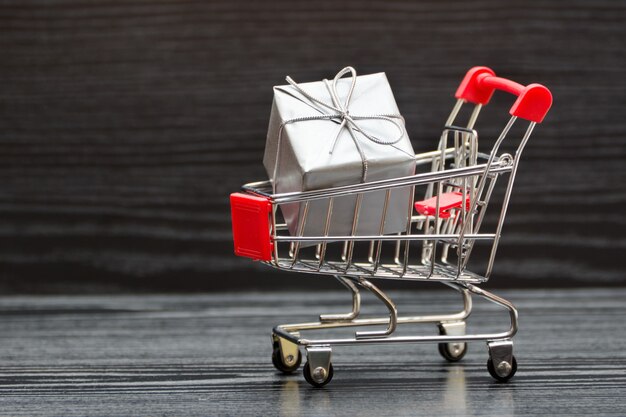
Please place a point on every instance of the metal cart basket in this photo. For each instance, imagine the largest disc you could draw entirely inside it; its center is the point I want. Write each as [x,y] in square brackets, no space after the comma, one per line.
[443,228]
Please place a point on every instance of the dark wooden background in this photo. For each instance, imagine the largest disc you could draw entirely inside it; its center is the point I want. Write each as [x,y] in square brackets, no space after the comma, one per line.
[124,125]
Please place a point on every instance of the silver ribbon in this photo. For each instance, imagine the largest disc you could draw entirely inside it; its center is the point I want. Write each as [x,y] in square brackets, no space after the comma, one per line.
[341,112]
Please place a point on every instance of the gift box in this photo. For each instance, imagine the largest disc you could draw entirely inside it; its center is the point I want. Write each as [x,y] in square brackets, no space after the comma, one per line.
[344,131]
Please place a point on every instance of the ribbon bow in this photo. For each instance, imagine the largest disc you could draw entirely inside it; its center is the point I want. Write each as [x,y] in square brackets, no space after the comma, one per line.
[341,111]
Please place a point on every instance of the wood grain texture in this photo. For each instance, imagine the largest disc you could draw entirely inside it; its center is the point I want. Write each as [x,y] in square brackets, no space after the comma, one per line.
[124,125]
[210,355]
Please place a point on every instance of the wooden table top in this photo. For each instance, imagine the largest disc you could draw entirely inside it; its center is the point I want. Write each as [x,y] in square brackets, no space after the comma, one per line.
[210,355]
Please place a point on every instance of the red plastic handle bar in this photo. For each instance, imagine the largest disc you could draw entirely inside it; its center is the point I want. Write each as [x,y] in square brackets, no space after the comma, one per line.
[533,101]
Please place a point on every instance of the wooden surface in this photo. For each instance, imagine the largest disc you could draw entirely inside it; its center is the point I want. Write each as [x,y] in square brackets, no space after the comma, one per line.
[124,126]
[210,355]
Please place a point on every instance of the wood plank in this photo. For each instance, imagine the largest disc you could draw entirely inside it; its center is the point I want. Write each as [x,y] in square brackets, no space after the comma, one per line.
[210,355]
[126,124]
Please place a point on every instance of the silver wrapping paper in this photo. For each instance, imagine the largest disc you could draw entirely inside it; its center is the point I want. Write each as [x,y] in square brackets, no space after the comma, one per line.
[303,160]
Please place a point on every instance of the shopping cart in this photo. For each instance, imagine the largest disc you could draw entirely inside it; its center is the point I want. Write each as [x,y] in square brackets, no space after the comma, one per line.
[443,229]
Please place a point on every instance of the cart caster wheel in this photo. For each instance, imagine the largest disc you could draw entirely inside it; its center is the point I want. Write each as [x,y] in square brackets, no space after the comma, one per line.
[452,352]
[279,363]
[503,371]
[318,377]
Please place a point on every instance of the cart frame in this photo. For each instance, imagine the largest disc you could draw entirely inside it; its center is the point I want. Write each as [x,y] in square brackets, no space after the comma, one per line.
[447,234]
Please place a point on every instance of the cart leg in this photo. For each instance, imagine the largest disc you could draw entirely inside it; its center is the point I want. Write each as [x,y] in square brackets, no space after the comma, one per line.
[502,365]
[501,302]
[467,298]
[393,311]
[356,303]
[318,370]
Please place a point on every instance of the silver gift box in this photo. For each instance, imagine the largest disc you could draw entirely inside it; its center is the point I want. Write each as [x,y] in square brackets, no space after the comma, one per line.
[308,148]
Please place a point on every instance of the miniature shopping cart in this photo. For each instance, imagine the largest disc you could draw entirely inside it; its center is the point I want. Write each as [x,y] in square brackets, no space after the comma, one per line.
[444,226]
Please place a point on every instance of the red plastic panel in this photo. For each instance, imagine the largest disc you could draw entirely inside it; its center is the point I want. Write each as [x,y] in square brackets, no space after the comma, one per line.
[251,226]
[447,202]
[533,101]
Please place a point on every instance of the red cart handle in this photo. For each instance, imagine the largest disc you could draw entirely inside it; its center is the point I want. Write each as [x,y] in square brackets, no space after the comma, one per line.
[533,101]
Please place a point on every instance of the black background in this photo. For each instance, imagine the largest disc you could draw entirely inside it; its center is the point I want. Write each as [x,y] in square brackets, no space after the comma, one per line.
[124,125]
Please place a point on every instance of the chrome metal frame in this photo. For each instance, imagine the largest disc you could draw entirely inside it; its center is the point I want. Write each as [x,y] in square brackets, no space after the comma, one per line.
[290,332]
[447,244]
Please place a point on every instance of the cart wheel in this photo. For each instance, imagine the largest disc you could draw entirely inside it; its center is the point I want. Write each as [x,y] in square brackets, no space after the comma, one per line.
[320,380]
[277,360]
[452,352]
[505,370]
